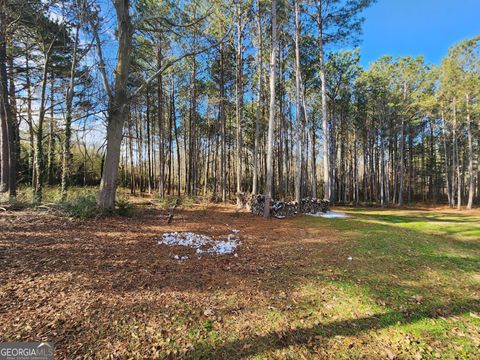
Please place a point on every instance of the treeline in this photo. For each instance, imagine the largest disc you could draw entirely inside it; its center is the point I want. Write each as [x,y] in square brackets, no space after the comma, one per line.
[220,99]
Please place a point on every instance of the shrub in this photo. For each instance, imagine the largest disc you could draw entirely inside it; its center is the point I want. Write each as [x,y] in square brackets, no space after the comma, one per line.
[167,202]
[125,208]
[83,206]
[187,202]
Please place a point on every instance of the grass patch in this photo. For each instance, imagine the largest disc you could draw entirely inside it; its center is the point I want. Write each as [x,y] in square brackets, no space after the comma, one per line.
[414,274]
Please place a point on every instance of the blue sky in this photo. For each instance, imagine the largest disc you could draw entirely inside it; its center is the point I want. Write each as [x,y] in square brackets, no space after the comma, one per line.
[417,27]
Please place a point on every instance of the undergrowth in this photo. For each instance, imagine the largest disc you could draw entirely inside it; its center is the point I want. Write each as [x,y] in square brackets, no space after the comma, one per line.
[81,202]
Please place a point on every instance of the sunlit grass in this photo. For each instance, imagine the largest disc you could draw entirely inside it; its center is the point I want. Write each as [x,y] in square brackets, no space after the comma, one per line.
[418,272]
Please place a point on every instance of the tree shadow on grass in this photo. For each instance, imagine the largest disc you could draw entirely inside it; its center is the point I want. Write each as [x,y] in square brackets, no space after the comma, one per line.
[412,218]
[282,339]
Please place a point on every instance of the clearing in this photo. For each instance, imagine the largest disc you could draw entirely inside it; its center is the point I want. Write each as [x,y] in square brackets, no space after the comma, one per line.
[380,284]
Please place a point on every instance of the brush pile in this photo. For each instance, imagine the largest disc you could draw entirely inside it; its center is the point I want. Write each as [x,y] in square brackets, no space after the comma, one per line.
[281,209]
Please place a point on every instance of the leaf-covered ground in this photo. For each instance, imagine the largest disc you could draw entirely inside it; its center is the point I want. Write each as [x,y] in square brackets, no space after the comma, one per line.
[382,284]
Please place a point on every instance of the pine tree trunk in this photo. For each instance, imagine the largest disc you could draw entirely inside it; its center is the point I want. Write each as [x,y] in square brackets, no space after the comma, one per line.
[239,104]
[432,165]
[478,172]
[410,165]
[402,151]
[192,150]
[223,167]
[39,158]
[259,101]
[446,162]
[170,143]
[327,191]
[271,119]
[279,120]
[456,159]
[51,135]
[314,160]
[298,109]
[67,156]
[149,143]
[13,128]
[470,157]
[382,165]
[161,124]
[139,138]
[355,169]
[177,142]
[365,167]
[4,106]
[130,156]
[31,135]
[207,164]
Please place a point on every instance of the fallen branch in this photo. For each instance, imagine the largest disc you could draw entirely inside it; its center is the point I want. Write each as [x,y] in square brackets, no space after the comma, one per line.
[51,207]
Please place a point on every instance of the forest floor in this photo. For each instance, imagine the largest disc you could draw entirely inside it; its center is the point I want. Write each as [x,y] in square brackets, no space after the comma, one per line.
[381,284]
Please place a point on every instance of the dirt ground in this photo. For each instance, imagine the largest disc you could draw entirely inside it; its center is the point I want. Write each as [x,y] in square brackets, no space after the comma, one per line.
[69,280]
[104,288]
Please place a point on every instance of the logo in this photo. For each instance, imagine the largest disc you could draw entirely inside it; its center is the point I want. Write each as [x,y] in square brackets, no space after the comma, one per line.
[26,351]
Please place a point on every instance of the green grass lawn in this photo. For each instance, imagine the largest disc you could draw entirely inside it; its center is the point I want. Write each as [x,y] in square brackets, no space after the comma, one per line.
[412,287]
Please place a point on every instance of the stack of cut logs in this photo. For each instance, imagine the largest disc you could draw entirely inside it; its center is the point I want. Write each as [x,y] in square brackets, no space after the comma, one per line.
[281,209]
